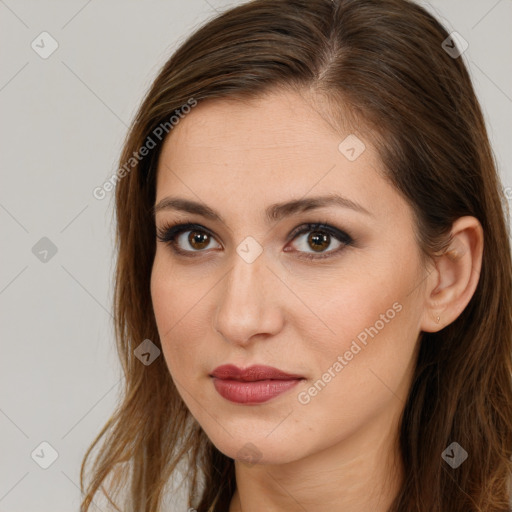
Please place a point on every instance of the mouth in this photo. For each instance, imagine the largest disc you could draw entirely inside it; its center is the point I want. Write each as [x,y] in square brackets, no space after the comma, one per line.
[253,385]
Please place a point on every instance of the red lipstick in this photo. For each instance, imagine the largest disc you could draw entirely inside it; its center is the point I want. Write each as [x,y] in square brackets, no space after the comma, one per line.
[255,384]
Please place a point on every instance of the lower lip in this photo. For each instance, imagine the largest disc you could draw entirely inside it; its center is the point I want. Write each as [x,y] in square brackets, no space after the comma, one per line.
[252,392]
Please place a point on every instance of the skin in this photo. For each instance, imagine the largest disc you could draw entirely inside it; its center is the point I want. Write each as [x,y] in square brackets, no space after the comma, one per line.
[338,452]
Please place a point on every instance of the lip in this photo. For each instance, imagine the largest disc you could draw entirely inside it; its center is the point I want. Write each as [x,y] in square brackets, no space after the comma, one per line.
[252,373]
[253,385]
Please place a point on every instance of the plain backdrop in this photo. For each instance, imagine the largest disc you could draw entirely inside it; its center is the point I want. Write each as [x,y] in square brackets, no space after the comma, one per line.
[63,121]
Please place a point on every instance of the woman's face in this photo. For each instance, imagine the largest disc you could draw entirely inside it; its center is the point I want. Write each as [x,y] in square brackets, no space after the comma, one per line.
[243,291]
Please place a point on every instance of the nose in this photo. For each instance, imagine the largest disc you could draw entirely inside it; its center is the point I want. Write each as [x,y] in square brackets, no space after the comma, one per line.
[248,305]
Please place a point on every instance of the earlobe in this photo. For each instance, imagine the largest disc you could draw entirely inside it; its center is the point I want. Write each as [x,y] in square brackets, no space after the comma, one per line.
[457,272]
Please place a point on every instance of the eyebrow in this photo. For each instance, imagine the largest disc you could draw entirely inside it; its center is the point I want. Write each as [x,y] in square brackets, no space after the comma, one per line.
[274,212]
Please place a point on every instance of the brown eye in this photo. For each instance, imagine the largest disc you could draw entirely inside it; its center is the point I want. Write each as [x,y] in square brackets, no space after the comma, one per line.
[198,240]
[192,240]
[322,241]
[319,241]
[186,239]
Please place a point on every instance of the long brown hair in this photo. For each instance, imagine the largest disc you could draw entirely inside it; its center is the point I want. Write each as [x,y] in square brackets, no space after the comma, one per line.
[384,61]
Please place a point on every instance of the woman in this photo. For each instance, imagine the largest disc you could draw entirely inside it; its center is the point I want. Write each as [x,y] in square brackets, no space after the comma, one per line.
[313,288]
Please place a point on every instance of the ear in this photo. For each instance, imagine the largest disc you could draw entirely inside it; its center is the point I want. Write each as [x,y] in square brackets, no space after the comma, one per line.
[455,276]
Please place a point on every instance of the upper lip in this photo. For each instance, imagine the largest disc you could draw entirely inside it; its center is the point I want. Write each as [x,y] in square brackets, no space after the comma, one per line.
[252,373]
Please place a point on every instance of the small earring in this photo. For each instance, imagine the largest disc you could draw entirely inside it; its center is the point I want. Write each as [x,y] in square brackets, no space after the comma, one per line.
[437,320]
[453,254]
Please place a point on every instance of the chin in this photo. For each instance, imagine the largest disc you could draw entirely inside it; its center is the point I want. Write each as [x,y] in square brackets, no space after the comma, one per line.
[253,450]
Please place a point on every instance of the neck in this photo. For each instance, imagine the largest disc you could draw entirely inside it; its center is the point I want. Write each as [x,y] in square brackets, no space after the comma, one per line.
[361,473]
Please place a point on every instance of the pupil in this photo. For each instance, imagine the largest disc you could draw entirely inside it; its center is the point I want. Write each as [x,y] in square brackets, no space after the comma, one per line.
[320,241]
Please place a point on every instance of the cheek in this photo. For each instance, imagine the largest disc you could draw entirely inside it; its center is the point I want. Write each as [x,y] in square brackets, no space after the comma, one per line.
[180,321]
[342,307]
[178,305]
[361,371]
[368,318]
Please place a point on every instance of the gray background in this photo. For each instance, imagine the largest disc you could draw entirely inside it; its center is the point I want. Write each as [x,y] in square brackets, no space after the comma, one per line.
[63,122]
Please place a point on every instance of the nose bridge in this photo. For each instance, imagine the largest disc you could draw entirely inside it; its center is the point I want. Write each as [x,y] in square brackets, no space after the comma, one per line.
[246,303]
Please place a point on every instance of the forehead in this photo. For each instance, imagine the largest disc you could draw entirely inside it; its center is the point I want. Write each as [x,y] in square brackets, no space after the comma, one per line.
[273,148]
[273,122]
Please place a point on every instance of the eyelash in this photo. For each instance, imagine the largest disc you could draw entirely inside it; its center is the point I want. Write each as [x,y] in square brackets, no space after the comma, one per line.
[169,232]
